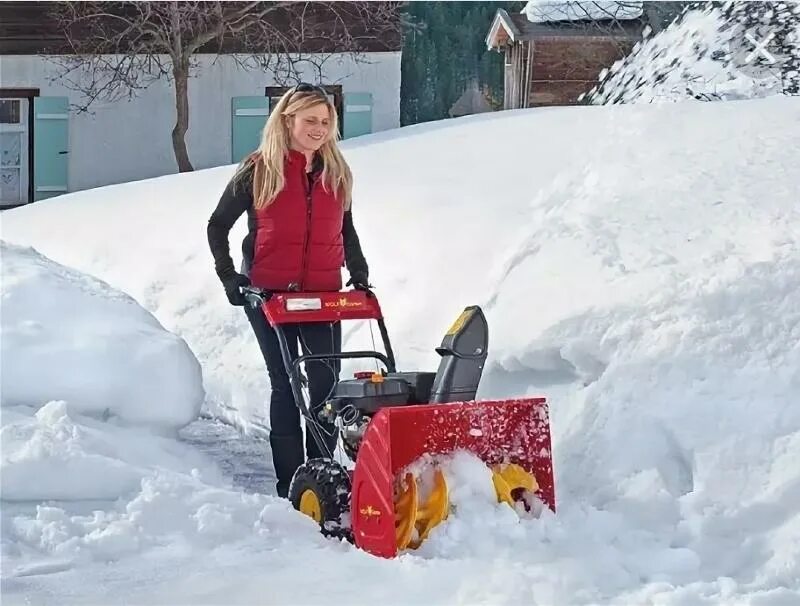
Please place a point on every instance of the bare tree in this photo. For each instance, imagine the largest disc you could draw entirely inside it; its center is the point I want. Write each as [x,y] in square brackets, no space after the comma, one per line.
[114,50]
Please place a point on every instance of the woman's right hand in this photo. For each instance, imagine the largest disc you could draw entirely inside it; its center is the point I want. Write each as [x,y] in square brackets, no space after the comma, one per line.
[233,285]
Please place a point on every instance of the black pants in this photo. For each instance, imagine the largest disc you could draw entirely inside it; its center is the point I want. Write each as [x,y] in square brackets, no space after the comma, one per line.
[286,438]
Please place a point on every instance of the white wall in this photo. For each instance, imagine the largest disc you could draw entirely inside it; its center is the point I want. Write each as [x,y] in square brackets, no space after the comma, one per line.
[131,139]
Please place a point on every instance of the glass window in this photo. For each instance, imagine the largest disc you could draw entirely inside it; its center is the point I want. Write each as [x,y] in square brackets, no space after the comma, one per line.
[10,111]
[10,149]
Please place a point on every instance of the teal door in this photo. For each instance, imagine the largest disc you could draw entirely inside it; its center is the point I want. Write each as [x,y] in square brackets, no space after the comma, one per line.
[357,114]
[248,116]
[50,147]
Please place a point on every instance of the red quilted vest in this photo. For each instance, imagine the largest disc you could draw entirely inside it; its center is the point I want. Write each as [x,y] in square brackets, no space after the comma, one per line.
[298,240]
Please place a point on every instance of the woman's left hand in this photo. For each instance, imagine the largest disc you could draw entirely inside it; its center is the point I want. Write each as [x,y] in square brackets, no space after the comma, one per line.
[359,280]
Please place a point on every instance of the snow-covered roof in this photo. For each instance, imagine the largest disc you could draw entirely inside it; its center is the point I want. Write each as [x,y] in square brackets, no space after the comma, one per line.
[546,11]
[502,27]
[514,27]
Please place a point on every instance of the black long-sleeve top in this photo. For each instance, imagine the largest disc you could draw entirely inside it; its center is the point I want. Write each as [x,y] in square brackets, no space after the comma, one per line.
[238,199]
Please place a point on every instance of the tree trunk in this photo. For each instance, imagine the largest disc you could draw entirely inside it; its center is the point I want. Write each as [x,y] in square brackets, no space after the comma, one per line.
[180,73]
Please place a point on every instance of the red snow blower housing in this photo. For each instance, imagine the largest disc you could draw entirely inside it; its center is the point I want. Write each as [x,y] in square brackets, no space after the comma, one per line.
[388,420]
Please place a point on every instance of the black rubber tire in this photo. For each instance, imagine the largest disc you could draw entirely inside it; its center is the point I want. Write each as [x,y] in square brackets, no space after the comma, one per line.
[330,482]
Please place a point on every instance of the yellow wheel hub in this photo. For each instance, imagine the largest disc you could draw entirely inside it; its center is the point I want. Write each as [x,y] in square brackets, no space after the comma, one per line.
[414,521]
[310,505]
[511,477]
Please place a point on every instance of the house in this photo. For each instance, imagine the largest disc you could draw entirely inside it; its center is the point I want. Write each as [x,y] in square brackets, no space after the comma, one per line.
[555,51]
[48,148]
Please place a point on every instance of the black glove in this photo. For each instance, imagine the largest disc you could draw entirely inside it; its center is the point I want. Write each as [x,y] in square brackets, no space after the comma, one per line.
[359,280]
[232,285]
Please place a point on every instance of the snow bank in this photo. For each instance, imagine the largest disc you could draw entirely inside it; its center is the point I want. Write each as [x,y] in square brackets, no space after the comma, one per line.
[145,255]
[638,265]
[68,336]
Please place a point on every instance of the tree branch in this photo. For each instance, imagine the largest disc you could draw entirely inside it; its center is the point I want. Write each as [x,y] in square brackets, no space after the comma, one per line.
[117,49]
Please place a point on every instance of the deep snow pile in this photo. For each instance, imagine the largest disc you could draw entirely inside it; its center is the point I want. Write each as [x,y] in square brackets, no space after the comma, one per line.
[638,265]
[68,336]
[144,252]
[705,54]
[93,391]
[86,378]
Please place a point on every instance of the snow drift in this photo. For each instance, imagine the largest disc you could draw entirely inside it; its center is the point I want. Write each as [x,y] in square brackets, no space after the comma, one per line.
[68,336]
[87,375]
[638,265]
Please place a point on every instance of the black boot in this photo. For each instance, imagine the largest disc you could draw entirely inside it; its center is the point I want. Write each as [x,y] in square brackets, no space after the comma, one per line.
[287,456]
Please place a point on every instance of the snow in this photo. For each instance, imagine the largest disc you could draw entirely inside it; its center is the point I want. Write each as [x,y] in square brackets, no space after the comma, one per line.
[543,11]
[702,55]
[74,457]
[477,523]
[638,266]
[88,377]
[68,336]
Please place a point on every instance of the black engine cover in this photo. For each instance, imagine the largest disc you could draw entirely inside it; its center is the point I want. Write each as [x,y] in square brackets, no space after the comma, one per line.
[369,396]
[419,382]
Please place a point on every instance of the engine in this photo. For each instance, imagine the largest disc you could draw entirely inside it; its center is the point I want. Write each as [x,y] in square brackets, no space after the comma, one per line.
[463,355]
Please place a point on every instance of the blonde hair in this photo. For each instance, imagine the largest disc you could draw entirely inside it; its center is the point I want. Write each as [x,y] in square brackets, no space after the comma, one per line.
[269,158]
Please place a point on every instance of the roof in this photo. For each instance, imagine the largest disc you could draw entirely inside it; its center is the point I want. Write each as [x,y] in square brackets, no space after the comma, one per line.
[547,11]
[28,28]
[515,27]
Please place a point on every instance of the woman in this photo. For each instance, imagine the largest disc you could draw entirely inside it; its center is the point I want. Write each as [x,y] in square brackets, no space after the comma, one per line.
[296,190]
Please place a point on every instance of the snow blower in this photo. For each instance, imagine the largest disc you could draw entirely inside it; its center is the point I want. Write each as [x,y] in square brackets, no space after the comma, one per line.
[387,421]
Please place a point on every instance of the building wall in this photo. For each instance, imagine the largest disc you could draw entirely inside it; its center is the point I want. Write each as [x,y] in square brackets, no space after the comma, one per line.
[130,140]
[564,68]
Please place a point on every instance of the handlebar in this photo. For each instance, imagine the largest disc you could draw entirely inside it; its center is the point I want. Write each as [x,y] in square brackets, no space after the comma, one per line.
[256,296]
[318,307]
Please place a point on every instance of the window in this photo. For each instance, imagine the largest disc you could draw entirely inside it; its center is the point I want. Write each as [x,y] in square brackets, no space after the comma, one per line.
[13,151]
[10,111]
